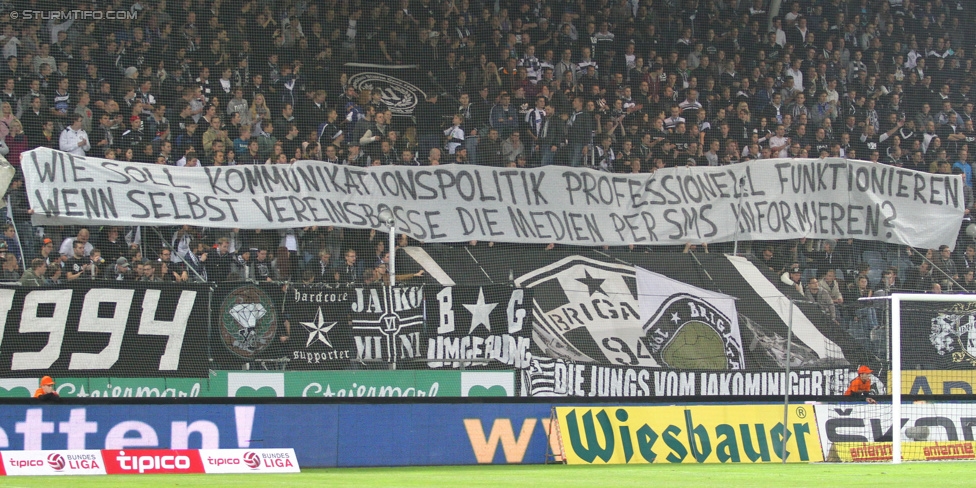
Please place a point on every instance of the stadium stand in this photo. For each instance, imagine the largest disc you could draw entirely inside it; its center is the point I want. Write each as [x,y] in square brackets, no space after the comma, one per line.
[626,86]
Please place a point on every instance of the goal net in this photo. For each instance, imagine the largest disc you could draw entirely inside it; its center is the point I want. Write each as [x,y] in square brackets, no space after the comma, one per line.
[930,369]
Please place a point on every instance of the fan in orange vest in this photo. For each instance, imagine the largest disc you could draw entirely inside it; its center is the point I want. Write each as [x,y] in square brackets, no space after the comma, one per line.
[46,392]
[861,386]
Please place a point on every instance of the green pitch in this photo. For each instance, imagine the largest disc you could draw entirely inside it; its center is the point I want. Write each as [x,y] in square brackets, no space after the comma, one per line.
[944,475]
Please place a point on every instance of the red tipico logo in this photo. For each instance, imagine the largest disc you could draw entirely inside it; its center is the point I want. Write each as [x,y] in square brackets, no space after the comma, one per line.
[152,461]
[252,460]
[55,461]
[25,463]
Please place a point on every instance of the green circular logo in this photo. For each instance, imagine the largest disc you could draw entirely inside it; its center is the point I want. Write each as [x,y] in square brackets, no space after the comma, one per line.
[696,346]
[248,321]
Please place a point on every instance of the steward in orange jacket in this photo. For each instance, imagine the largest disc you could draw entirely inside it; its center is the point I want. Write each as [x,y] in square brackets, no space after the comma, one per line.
[46,392]
[861,386]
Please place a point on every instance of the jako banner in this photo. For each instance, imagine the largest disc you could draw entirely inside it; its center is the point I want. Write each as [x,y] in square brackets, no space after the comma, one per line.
[768,199]
[335,327]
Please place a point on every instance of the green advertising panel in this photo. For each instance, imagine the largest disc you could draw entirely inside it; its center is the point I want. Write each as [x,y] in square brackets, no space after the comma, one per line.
[281,384]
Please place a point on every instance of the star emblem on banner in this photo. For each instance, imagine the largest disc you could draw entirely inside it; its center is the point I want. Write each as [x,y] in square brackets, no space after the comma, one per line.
[675,318]
[318,330]
[593,285]
[480,312]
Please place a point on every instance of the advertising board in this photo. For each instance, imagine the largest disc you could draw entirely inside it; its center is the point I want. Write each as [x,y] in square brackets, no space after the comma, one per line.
[147,461]
[687,434]
[864,431]
[321,435]
[61,462]
[282,384]
[864,452]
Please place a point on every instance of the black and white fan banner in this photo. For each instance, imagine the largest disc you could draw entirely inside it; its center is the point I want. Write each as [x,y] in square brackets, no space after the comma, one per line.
[792,198]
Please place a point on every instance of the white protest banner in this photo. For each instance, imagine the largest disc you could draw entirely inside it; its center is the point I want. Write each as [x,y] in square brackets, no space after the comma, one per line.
[768,199]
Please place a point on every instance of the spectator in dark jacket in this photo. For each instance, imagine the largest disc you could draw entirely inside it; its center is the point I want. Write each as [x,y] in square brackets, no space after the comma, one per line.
[351,269]
[34,276]
[490,150]
[428,124]
[219,262]
[581,126]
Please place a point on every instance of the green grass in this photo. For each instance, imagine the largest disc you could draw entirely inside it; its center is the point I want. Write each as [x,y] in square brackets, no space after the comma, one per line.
[943,475]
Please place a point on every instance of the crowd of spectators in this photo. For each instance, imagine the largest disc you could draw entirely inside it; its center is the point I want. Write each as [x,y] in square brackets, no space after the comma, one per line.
[837,275]
[628,86]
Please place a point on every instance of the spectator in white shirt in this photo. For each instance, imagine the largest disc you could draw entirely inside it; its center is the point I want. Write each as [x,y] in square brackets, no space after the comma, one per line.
[74,139]
[797,73]
[779,144]
[10,42]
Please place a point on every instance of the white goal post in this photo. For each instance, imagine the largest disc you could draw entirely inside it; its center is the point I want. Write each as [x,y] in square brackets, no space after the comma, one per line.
[896,362]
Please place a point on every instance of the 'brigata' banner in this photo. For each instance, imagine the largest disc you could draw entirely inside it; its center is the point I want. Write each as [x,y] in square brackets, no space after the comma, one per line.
[769,199]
